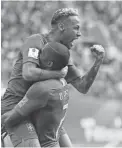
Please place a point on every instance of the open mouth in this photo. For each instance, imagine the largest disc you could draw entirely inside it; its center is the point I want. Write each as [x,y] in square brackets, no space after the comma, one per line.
[74,39]
[72,42]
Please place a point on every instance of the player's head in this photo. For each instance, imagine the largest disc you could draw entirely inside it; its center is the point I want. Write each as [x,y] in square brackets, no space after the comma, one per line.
[54,56]
[67,23]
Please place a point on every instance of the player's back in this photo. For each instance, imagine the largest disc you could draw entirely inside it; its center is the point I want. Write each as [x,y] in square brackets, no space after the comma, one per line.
[48,120]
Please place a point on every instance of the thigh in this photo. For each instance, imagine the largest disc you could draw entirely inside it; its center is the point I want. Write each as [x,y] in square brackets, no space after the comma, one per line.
[23,135]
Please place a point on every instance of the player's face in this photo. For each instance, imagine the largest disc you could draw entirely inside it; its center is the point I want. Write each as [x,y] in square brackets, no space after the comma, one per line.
[71,31]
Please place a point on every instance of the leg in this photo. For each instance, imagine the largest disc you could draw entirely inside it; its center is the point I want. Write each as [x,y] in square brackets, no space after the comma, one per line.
[24,135]
[6,142]
[64,140]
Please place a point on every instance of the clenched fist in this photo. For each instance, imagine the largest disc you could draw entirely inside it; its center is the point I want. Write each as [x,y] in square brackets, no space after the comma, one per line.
[98,51]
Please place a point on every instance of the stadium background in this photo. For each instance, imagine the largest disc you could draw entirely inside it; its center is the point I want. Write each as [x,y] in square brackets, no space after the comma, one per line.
[98,113]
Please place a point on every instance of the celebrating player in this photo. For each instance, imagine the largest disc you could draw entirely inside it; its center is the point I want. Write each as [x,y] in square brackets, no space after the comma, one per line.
[54,56]
[27,70]
[49,100]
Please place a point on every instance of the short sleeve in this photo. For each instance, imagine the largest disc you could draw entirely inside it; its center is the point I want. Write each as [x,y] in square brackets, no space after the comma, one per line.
[32,48]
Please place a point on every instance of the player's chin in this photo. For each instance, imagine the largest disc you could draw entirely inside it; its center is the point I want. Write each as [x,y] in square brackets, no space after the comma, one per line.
[70,45]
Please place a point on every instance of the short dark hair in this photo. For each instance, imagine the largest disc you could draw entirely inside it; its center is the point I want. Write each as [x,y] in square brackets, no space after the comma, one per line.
[57,53]
[61,13]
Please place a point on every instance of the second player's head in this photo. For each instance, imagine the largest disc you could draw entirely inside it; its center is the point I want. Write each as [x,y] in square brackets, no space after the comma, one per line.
[54,56]
[66,23]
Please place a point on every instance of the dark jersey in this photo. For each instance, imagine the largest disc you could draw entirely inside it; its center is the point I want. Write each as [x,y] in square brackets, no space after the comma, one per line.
[48,100]
[48,120]
[17,86]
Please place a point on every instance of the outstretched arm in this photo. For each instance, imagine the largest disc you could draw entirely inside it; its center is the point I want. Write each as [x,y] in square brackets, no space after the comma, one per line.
[83,83]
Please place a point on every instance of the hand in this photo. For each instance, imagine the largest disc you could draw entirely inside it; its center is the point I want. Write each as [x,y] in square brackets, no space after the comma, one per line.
[98,51]
[63,72]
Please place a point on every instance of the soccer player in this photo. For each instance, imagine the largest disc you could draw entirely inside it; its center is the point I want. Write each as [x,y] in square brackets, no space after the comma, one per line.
[49,100]
[51,58]
[65,29]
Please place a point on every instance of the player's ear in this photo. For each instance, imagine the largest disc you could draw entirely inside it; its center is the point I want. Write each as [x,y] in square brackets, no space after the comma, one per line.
[61,26]
[49,64]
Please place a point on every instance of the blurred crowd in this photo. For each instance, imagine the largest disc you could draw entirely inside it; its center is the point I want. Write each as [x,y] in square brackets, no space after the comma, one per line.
[101,23]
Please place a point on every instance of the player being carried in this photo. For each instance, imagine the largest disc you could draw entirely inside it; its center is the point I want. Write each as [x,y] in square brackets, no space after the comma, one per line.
[27,70]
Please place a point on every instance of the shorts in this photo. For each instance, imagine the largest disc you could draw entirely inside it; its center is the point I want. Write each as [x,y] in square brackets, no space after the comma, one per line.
[23,135]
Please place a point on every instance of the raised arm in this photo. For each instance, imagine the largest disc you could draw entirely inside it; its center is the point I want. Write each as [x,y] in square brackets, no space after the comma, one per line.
[83,83]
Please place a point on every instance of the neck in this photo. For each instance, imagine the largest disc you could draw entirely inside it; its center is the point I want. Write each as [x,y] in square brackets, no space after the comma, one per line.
[53,36]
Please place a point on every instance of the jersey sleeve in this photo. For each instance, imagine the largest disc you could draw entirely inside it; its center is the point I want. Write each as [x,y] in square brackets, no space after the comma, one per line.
[35,98]
[73,72]
[32,48]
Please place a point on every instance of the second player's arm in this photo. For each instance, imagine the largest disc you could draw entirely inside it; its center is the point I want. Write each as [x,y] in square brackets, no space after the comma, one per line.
[32,73]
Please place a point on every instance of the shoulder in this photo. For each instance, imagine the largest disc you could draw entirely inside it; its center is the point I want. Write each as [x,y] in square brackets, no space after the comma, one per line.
[44,88]
[48,85]
[35,37]
[33,41]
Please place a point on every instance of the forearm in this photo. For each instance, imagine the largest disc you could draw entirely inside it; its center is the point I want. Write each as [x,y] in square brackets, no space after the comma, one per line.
[11,118]
[37,74]
[82,84]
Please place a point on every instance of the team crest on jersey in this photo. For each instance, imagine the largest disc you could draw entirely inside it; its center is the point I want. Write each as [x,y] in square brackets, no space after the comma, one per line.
[30,127]
[33,53]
